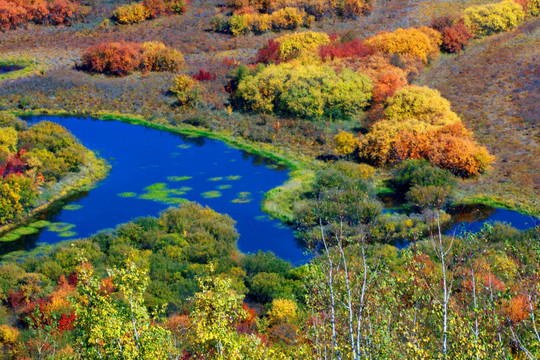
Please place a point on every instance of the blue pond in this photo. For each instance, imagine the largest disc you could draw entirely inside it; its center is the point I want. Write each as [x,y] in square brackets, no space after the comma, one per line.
[203,170]
[471,218]
[6,69]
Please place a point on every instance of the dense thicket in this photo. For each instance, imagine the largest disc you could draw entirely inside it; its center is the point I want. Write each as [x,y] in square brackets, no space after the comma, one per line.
[307,91]
[32,157]
[14,13]
[122,58]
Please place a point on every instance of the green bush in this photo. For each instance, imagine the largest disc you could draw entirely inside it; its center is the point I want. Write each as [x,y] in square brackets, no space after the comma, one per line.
[490,19]
[420,173]
[306,91]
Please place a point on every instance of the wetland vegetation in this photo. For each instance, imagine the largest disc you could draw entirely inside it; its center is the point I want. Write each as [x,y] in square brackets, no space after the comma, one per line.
[269,179]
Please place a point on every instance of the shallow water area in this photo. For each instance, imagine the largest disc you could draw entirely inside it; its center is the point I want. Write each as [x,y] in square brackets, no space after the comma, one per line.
[153,170]
[471,218]
[10,68]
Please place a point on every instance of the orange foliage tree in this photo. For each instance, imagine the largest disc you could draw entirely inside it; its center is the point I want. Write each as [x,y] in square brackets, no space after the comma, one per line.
[115,58]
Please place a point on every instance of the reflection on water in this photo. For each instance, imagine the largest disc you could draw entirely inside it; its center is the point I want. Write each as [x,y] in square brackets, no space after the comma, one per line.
[471,218]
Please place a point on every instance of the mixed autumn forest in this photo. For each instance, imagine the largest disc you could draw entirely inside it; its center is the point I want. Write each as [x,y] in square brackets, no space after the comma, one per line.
[400,123]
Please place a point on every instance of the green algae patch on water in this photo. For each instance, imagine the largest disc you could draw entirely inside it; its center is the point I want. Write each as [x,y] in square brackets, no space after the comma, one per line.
[175,201]
[67,234]
[156,186]
[40,224]
[159,192]
[72,207]
[233,177]
[264,218]
[60,227]
[218,178]
[127,194]
[10,237]
[184,146]
[243,197]
[179,178]
[25,230]
[224,187]
[211,194]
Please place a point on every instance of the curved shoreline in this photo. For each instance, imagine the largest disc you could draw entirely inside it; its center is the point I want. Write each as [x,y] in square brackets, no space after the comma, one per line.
[274,199]
[301,167]
[95,170]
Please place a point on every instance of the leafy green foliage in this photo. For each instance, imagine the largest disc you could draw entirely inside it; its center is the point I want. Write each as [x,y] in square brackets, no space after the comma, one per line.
[307,91]
[117,327]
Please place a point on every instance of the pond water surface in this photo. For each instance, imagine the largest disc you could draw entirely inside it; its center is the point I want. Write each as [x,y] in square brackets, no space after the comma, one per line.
[10,68]
[153,170]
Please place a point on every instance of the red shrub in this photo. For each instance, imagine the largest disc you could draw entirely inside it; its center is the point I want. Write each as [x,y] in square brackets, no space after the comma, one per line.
[269,53]
[353,49]
[38,11]
[17,299]
[386,86]
[455,38]
[16,12]
[155,8]
[14,164]
[62,12]
[116,58]
[11,15]
[204,75]
[66,323]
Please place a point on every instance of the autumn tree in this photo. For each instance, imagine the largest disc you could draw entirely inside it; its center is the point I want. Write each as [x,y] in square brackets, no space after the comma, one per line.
[117,325]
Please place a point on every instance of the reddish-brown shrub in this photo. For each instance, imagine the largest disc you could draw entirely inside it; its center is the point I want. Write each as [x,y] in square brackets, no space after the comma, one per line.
[154,8]
[62,12]
[11,15]
[16,12]
[38,11]
[353,49]
[442,22]
[269,53]
[204,75]
[115,58]
[455,38]
[387,85]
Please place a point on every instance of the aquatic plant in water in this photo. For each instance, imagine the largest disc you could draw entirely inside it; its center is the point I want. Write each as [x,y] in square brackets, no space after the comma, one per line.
[243,197]
[127,194]
[40,224]
[211,194]
[179,178]
[161,193]
[66,234]
[72,207]
[60,227]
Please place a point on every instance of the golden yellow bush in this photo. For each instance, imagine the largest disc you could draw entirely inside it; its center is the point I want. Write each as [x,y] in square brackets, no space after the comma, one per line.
[131,13]
[8,335]
[489,19]
[420,43]
[288,18]
[158,57]
[283,310]
[346,143]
